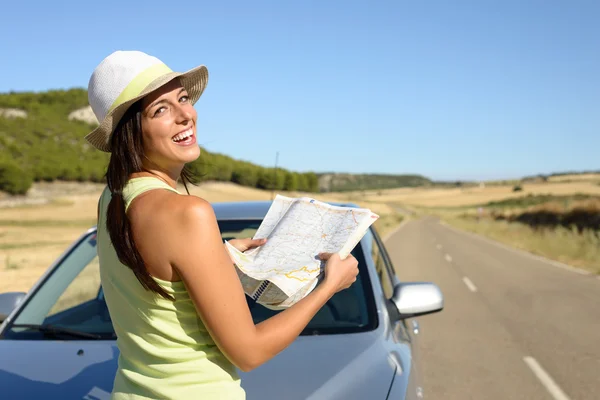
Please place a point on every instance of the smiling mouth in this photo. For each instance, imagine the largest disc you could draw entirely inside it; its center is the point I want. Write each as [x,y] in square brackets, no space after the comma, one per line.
[184,137]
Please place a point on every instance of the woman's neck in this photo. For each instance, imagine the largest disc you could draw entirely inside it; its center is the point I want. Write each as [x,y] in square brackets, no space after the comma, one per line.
[168,178]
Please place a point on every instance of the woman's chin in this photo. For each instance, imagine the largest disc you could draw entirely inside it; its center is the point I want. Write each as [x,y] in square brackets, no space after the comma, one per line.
[190,154]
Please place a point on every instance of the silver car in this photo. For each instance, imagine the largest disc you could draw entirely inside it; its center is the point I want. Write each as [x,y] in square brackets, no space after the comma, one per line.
[57,341]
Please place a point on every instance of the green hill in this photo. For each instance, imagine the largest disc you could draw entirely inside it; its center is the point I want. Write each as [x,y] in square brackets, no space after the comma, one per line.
[39,142]
[335,182]
[39,138]
[45,143]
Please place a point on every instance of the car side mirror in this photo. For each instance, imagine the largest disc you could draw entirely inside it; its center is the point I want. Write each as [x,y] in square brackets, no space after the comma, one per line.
[8,302]
[413,299]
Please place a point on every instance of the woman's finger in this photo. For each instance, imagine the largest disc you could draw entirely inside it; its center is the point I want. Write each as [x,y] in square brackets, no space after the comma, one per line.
[257,242]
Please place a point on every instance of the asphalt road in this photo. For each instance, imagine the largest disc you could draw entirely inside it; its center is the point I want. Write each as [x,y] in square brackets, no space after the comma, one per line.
[514,326]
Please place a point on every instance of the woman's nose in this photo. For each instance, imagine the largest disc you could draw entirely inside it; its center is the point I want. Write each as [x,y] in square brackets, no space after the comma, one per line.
[184,112]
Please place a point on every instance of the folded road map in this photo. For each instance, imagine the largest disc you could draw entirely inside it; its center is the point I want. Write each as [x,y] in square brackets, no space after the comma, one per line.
[287,267]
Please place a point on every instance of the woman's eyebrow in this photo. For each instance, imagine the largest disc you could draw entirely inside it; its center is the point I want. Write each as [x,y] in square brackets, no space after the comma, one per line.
[164,100]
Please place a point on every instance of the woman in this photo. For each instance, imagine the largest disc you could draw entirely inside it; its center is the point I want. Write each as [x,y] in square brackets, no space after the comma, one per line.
[173,294]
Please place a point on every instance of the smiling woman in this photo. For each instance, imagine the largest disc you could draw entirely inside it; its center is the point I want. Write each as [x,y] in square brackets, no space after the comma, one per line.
[169,118]
[174,297]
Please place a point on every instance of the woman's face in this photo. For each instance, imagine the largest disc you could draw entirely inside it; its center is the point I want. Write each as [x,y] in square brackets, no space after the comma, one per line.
[169,127]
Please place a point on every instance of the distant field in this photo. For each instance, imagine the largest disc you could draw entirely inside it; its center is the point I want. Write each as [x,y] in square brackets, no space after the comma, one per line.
[578,177]
[33,236]
[455,197]
[542,218]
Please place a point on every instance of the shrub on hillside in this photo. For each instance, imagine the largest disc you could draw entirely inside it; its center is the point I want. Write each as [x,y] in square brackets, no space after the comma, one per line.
[14,179]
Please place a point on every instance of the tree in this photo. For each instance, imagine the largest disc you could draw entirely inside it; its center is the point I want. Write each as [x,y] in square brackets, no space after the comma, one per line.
[302,182]
[312,182]
[14,179]
[245,174]
[265,179]
[291,181]
[279,177]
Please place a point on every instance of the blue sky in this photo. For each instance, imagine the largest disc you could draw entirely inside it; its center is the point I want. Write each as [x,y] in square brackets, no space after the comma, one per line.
[476,89]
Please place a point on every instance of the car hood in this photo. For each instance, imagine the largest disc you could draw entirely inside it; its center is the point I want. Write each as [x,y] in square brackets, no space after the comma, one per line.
[57,369]
[351,366]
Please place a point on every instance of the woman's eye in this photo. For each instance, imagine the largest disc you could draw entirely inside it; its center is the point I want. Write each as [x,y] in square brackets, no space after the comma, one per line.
[159,111]
[184,99]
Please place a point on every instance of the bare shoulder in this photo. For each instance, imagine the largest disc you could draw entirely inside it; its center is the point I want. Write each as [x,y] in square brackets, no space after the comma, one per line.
[193,220]
[163,206]
[165,222]
[192,208]
[179,215]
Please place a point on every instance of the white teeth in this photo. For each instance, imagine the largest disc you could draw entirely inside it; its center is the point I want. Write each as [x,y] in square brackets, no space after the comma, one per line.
[181,136]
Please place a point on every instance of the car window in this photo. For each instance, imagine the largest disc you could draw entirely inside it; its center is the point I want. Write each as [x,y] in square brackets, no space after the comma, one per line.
[71,296]
[82,289]
[383,271]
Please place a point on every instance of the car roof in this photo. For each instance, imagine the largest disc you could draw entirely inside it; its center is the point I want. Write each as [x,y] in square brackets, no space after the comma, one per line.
[251,209]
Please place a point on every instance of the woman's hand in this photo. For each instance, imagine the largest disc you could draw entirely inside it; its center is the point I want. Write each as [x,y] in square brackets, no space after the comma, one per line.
[339,274]
[246,244]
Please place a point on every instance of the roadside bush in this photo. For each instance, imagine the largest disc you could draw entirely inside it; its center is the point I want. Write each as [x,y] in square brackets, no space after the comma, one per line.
[14,179]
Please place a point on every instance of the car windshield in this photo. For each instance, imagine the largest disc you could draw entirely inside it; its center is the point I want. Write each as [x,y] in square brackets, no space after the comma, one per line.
[69,303]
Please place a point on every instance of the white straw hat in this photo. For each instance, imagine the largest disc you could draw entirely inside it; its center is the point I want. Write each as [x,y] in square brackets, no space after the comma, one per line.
[124,77]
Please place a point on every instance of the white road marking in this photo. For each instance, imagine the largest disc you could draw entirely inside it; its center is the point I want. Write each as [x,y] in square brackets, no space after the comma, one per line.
[469,284]
[448,258]
[439,247]
[546,379]
[518,251]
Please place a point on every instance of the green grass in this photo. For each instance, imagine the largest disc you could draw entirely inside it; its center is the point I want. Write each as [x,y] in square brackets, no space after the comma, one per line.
[560,244]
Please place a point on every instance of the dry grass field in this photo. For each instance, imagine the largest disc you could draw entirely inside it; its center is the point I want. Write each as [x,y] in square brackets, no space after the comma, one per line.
[579,177]
[33,236]
[471,196]
[535,228]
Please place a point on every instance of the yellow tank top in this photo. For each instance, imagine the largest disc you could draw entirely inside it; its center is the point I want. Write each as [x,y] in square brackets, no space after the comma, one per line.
[165,350]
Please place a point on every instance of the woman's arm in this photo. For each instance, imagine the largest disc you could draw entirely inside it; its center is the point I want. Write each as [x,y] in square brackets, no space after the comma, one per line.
[194,244]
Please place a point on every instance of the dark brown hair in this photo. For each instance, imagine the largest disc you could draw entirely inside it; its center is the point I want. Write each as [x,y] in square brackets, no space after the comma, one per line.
[127,152]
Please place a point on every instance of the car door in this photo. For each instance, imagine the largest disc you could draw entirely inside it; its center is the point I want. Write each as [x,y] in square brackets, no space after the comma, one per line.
[404,331]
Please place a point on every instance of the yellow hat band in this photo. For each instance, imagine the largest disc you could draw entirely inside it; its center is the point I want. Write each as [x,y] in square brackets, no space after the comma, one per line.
[137,84]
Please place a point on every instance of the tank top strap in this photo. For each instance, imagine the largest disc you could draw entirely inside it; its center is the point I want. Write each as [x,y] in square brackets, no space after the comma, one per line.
[137,186]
